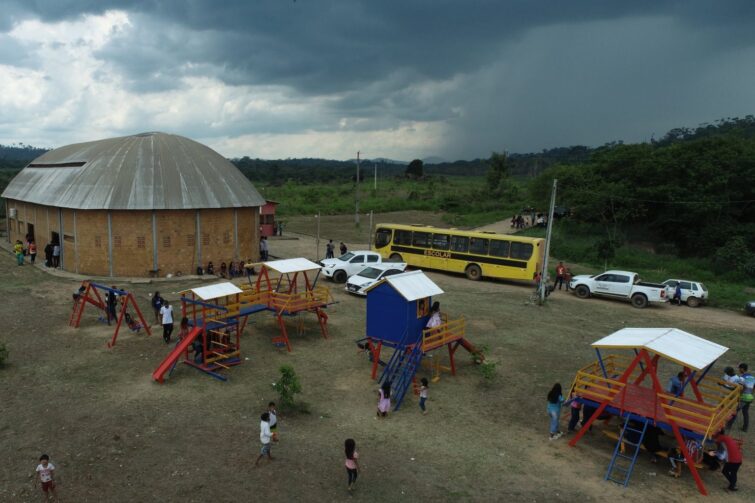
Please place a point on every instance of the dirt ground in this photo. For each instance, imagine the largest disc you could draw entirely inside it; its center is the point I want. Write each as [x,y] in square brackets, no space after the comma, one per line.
[114,435]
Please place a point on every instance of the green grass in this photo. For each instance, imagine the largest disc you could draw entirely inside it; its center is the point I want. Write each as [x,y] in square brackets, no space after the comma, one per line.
[575,244]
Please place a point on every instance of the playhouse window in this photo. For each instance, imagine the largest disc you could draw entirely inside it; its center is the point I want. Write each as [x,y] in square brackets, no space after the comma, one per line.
[423,307]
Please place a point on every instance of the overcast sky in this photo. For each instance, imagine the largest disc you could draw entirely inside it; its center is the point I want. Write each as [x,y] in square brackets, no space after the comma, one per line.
[400,79]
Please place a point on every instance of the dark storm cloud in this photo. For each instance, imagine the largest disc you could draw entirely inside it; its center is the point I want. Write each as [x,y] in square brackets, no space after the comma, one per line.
[522,74]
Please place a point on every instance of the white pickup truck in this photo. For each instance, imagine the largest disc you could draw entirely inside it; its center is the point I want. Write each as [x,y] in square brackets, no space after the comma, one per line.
[340,268]
[620,285]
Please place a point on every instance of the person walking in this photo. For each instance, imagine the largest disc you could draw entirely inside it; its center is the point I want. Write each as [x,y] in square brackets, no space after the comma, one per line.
[747,381]
[423,394]
[167,318]
[352,461]
[560,273]
[32,252]
[18,249]
[266,437]
[157,304]
[263,249]
[384,400]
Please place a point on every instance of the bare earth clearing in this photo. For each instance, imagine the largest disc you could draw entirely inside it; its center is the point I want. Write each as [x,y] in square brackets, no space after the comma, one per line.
[117,436]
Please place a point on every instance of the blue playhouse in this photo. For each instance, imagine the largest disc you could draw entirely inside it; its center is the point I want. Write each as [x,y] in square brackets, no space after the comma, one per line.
[398,309]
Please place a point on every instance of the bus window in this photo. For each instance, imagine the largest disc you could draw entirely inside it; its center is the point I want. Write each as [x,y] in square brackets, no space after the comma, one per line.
[421,239]
[478,245]
[521,251]
[499,248]
[440,241]
[460,244]
[382,237]
[402,237]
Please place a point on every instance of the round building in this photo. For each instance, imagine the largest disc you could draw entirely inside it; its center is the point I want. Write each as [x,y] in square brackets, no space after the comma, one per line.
[151,204]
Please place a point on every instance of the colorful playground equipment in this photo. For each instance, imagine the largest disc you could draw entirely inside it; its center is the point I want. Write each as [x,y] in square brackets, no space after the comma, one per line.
[96,294]
[398,308]
[614,385]
[218,314]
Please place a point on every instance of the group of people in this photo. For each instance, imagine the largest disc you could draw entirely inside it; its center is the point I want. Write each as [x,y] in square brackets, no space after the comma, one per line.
[727,455]
[230,270]
[330,248]
[28,248]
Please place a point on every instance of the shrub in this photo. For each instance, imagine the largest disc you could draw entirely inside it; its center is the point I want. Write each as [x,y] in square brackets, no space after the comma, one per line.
[287,386]
[3,354]
[487,369]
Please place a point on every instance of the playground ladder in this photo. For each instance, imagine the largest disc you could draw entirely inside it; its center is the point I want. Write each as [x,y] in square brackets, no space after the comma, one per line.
[78,305]
[400,372]
[621,465]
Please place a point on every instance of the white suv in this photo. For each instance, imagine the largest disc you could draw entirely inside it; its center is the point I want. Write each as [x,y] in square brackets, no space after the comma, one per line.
[694,293]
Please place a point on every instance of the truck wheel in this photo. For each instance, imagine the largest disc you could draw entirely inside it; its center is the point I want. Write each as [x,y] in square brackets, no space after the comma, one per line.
[639,301]
[339,277]
[395,257]
[582,292]
[693,301]
[473,272]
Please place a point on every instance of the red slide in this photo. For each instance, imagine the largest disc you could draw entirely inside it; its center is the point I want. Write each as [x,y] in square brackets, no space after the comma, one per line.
[470,347]
[159,374]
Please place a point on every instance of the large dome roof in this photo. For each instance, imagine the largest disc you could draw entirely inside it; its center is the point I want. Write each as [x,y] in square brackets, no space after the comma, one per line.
[142,172]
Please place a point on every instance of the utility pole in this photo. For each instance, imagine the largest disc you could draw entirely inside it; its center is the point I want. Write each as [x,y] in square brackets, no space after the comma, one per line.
[317,239]
[375,177]
[370,231]
[356,186]
[544,275]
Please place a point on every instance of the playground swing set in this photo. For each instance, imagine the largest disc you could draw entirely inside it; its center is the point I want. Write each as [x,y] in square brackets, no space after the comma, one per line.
[218,314]
[96,294]
[398,309]
[630,389]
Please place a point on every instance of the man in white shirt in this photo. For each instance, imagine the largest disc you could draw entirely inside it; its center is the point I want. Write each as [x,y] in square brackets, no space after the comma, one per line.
[266,437]
[166,313]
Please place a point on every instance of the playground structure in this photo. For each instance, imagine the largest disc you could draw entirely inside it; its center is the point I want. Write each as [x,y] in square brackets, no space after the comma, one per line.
[398,308]
[614,385]
[96,295]
[218,314]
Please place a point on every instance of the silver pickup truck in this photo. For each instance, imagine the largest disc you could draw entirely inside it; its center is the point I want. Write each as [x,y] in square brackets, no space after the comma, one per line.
[619,285]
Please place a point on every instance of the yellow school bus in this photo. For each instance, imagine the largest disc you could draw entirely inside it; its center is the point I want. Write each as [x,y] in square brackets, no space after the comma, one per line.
[474,253]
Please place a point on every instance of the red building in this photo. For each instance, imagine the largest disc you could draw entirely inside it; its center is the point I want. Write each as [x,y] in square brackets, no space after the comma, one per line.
[267,218]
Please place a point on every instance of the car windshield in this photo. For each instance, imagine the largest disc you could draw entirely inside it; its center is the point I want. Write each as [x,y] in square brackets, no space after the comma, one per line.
[370,273]
[346,257]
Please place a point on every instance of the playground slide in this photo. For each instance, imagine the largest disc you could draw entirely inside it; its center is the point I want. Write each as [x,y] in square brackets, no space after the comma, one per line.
[469,347]
[159,374]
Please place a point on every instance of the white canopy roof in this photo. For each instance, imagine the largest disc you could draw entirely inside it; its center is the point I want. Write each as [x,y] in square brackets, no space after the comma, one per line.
[292,265]
[412,285]
[672,343]
[217,290]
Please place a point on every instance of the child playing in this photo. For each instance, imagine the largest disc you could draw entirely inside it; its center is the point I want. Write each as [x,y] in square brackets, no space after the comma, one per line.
[384,399]
[183,329]
[265,438]
[46,472]
[423,394]
[576,407]
[352,463]
[273,412]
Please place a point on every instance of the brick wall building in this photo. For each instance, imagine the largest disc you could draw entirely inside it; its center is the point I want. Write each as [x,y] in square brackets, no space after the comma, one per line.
[134,205]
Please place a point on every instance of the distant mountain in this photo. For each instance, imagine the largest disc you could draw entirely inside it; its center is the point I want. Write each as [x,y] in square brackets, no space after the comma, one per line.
[433,159]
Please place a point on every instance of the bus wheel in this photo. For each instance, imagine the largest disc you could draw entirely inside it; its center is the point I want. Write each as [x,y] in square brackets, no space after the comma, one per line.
[473,272]
[395,257]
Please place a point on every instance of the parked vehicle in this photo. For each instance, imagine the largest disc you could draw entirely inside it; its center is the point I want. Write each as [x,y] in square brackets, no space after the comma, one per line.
[619,285]
[694,293]
[340,268]
[361,281]
[750,308]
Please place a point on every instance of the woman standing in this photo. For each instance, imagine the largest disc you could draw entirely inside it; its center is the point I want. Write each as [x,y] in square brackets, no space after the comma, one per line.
[555,400]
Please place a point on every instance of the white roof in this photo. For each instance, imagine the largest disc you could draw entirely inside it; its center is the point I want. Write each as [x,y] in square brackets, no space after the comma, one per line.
[217,290]
[292,265]
[412,285]
[672,343]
